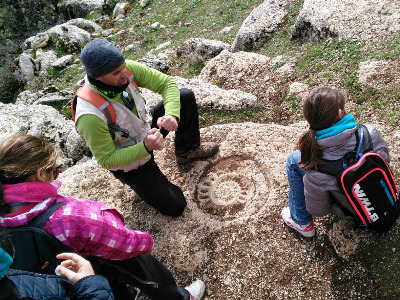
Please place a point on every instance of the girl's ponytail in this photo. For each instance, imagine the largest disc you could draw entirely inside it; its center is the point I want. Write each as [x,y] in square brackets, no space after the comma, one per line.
[310,151]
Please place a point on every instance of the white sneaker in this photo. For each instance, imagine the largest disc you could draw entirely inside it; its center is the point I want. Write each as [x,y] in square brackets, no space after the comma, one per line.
[196,290]
[307,230]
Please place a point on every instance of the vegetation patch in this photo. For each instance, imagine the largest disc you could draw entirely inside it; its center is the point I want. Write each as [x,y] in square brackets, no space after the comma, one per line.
[210,116]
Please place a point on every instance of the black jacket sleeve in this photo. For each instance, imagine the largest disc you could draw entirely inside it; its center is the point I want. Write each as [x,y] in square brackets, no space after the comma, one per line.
[93,287]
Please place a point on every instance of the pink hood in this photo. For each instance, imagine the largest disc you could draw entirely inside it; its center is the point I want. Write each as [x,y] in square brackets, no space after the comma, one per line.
[32,192]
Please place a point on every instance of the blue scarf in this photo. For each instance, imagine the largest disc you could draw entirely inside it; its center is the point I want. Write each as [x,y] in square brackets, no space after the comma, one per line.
[5,262]
[347,122]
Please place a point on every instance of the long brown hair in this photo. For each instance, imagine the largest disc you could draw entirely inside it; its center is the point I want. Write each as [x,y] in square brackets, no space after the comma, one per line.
[20,157]
[320,109]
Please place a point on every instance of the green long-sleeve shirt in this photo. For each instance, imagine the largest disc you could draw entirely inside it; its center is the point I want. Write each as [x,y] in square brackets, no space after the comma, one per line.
[95,131]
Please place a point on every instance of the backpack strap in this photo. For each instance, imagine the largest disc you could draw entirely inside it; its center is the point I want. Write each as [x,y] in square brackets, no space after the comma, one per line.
[132,79]
[100,103]
[41,219]
[363,145]
[97,100]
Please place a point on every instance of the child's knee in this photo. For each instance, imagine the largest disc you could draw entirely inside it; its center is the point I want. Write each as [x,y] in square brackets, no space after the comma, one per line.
[293,158]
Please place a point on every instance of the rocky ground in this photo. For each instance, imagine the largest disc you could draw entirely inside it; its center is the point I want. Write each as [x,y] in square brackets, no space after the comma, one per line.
[231,234]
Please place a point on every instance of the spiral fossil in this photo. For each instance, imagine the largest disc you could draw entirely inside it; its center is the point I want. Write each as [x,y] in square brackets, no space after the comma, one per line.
[233,187]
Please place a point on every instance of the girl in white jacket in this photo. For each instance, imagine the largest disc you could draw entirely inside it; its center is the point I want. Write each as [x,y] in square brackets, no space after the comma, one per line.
[330,136]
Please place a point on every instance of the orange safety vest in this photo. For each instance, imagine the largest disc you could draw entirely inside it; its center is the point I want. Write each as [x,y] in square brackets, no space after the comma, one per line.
[102,104]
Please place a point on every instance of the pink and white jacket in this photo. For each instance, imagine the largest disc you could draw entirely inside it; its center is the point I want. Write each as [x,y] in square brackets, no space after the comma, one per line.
[88,227]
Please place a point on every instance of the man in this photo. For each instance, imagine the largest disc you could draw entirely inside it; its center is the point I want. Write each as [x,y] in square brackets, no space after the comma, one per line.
[127,148]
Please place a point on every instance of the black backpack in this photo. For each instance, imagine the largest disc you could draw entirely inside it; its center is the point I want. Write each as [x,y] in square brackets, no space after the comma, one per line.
[35,249]
[368,183]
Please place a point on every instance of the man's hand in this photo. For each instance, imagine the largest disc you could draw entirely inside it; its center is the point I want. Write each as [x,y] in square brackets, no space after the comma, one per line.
[167,122]
[74,268]
[154,140]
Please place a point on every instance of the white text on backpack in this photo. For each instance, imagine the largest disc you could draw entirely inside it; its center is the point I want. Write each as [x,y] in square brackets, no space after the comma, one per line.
[361,195]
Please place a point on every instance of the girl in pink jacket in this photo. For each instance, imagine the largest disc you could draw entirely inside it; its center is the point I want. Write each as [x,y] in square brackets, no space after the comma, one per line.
[28,187]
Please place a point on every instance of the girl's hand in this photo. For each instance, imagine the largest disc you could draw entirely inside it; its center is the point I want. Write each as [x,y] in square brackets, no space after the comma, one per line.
[75,267]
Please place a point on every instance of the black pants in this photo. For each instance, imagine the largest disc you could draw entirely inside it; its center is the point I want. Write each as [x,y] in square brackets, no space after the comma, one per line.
[149,183]
[187,136]
[142,272]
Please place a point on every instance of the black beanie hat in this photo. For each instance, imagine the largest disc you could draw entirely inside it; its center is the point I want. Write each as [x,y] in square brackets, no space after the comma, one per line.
[100,57]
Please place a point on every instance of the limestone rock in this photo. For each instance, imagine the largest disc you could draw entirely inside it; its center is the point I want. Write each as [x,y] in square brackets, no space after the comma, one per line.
[356,20]
[379,74]
[209,95]
[53,97]
[70,37]
[66,36]
[72,9]
[202,47]
[86,25]
[90,186]
[44,60]
[28,97]
[135,45]
[62,62]
[155,62]
[121,9]
[256,74]
[243,70]
[120,18]
[39,40]
[155,25]
[143,3]
[300,90]
[45,121]
[164,52]
[258,27]
[162,46]
[75,147]
[108,32]
[25,70]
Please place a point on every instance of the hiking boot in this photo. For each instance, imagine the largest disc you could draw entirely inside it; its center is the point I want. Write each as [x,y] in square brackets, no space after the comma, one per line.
[196,290]
[307,230]
[205,150]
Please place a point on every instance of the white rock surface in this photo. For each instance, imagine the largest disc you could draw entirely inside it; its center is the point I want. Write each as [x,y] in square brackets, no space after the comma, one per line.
[356,20]
[262,22]
[44,121]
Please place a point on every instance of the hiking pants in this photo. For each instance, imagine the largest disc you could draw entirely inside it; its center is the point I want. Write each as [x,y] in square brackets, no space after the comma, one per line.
[149,183]
[187,136]
[142,272]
